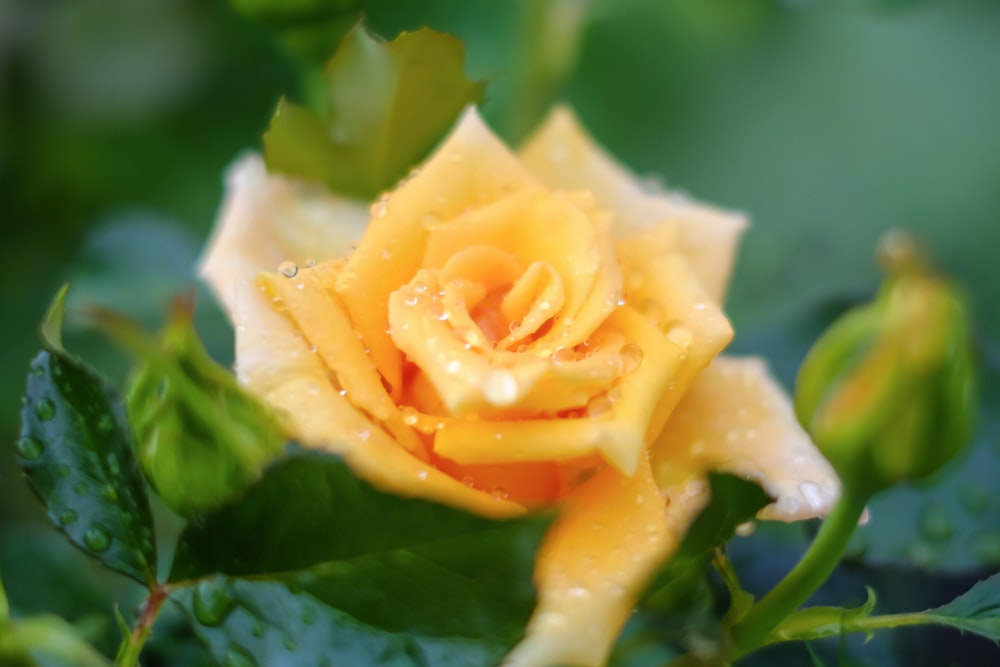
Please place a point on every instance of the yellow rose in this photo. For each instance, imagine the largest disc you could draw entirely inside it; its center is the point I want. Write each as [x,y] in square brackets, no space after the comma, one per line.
[504,332]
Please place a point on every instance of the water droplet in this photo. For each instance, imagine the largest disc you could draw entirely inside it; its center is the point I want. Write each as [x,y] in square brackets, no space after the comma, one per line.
[422,475]
[598,406]
[45,409]
[679,334]
[80,488]
[631,357]
[311,263]
[500,493]
[380,207]
[386,253]
[67,517]
[562,355]
[578,592]
[237,656]
[288,269]
[410,416]
[364,434]
[109,493]
[213,601]
[452,367]
[500,388]
[258,629]
[935,524]
[63,471]
[309,615]
[921,553]
[411,300]
[30,448]
[290,643]
[813,494]
[96,539]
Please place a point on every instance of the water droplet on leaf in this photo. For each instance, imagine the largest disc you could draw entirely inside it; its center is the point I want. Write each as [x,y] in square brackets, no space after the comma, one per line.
[97,539]
[30,448]
[45,410]
[213,601]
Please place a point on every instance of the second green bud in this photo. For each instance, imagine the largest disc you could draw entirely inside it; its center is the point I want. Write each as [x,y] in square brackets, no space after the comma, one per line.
[888,391]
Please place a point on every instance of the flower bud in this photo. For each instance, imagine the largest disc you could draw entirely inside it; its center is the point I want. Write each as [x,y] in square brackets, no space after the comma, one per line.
[200,438]
[887,391]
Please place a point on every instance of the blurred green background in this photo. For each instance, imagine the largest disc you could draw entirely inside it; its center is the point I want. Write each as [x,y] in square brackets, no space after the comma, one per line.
[828,122]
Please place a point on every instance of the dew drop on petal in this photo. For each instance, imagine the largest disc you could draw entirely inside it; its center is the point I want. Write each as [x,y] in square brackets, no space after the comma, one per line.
[598,406]
[288,269]
[679,334]
[453,366]
[500,388]
[410,416]
[631,357]
[812,493]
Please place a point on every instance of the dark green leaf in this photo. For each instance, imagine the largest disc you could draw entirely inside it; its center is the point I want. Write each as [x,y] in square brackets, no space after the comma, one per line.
[324,567]
[733,501]
[977,611]
[387,104]
[75,448]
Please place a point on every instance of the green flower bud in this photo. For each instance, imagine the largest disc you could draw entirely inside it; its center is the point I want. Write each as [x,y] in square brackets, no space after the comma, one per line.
[201,439]
[887,391]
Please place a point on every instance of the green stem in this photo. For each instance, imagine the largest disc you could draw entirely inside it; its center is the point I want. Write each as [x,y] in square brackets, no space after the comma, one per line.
[805,578]
[128,653]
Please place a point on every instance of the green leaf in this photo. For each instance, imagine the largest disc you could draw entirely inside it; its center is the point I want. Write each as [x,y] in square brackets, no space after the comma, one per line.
[324,569]
[733,501]
[387,104]
[977,610]
[54,638]
[818,622]
[75,448]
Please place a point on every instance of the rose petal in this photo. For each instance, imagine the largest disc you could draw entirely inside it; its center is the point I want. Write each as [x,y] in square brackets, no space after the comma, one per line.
[276,365]
[267,219]
[564,156]
[471,169]
[736,419]
[609,539]
[316,312]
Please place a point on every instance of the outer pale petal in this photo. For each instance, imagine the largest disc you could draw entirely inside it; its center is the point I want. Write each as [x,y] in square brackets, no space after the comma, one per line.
[471,169]
[736,419]
[277,365]
[611,536]
[267,219]
[563,156]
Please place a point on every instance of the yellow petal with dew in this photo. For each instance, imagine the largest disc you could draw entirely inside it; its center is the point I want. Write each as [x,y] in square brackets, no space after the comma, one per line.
[276,365]
[736,419]
[563,155]
[609,539]
[472,168]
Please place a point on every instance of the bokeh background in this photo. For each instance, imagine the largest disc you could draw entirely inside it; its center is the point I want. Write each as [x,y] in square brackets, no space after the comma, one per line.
[827,121]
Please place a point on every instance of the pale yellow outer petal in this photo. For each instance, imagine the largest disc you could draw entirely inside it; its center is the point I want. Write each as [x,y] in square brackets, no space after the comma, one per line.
[564,156]
[611,536]
[267,219]
[277,365]
[736,419]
